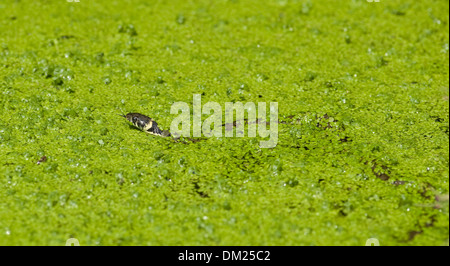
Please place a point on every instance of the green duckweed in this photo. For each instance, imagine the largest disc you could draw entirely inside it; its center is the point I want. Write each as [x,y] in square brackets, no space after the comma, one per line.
[363,148]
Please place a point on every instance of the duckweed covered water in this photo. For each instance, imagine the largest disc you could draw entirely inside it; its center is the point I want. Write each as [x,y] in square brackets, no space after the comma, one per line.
[363,146]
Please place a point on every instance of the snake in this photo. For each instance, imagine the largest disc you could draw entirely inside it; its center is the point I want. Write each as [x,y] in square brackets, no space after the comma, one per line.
[146,124]
[150,126]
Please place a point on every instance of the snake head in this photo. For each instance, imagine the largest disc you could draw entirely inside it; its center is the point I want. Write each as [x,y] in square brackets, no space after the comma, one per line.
[129,117]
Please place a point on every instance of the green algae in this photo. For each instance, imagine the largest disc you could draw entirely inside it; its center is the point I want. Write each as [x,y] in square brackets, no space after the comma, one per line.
[362,88]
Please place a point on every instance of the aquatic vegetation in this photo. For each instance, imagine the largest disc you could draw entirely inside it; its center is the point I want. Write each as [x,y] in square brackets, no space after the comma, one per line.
[363,144]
